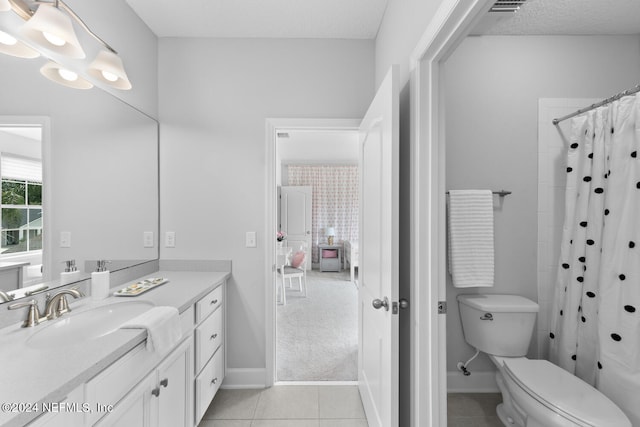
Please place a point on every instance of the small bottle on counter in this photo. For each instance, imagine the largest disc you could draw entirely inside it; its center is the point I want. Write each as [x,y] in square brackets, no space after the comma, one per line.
[100,281]
[70,273]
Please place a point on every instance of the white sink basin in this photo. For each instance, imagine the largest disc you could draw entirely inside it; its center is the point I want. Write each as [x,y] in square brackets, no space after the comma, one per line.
[75,328]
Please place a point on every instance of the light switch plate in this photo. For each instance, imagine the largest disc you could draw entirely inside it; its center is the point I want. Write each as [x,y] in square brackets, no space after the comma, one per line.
[170,239]
[148,239]
[251,239]
[65,239]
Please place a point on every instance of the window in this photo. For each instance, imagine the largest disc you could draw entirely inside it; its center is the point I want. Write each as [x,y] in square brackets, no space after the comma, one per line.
[21,204]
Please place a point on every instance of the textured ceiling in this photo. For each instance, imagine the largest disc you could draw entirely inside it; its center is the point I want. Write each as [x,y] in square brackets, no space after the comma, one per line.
[349,19]
[566,17]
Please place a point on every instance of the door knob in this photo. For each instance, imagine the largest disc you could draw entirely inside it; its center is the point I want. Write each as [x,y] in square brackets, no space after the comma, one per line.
[378,304]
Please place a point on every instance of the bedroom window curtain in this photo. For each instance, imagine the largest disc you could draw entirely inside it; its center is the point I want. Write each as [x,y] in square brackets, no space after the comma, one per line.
[335,200]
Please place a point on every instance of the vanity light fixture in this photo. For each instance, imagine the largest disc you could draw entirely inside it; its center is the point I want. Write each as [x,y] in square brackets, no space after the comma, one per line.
[108,68]
[49,29]
[61,75]
[9,45]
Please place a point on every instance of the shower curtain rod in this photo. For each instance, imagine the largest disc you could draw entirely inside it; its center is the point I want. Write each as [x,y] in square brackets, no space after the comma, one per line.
[599,104]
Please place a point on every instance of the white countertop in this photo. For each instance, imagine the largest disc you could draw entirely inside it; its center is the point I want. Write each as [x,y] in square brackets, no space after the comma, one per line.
[48,375]
[8,265]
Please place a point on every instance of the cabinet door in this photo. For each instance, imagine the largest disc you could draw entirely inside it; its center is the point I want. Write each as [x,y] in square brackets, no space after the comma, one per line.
[174,382]
[134,408]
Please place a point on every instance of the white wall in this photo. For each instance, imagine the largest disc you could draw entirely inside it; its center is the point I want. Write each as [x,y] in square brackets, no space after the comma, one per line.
[492,138]
[403,24]
[215,95]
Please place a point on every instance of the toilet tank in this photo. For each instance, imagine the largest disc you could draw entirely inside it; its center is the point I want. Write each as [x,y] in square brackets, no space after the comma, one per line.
[501,325]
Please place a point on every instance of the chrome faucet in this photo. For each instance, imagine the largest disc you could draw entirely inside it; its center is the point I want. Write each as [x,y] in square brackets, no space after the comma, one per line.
[33,315]
[57,305]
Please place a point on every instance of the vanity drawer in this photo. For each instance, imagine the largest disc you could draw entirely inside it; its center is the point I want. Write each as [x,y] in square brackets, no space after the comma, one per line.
[208,304]
[208,383]
[109,386]
[209,336]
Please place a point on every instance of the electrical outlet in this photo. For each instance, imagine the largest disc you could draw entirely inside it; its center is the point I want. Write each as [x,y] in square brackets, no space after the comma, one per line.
[148,239]
[170,239]
[251,239]
[65,239]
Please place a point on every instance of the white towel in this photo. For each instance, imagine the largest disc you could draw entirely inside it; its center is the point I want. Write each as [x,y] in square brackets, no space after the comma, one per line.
[162,325]
[470,223]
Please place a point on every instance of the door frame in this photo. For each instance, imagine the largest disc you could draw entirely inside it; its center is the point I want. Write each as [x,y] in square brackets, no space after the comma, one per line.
[452,22]
[273,125]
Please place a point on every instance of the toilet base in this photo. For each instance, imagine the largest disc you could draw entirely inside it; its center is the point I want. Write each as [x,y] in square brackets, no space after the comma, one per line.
[502,415]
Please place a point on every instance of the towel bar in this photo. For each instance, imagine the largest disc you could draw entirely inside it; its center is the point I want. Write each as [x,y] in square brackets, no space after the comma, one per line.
[500,193]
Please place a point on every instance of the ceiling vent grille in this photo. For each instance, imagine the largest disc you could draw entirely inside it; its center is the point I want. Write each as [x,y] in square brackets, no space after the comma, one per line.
[507,5]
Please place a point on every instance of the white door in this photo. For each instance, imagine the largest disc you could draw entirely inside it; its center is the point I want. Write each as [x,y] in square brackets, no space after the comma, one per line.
[295,215]
[378,270]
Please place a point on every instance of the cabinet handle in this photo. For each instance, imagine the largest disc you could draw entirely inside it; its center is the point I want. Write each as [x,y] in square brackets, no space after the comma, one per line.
[164,382]
[215,301]
[214,336]
[214,381]
[156,391]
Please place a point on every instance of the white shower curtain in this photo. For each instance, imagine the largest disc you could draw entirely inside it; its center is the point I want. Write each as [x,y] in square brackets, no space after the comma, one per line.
[595,329]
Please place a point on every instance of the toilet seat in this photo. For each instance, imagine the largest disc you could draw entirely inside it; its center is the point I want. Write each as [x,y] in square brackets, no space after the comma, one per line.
[564,393]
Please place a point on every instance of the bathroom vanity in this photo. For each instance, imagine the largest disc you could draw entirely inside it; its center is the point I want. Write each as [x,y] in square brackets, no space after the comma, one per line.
[112,379]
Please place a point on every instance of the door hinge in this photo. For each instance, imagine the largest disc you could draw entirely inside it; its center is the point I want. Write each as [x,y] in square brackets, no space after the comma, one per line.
[442,307]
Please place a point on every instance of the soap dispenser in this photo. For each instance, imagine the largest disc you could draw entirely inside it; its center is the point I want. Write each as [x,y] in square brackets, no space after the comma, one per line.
[100,281]
[70,273]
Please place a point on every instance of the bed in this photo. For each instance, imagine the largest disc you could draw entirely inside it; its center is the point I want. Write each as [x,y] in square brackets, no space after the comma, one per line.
[351,257]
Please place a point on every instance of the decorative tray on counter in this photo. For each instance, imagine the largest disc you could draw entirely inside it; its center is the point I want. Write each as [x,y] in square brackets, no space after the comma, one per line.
[141,287]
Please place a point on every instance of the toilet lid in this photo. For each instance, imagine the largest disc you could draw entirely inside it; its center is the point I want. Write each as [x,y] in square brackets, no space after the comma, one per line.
[564,393]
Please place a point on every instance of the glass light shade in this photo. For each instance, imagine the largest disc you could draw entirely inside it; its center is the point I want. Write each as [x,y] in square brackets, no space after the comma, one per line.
[63,76]
[5,5]
[108,68]
[10,46]
[52,29]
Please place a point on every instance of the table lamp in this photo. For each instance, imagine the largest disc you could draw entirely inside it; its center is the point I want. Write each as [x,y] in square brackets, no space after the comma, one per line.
[330,232]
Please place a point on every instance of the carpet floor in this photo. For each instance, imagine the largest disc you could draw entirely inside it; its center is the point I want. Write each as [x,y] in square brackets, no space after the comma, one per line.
[317,336]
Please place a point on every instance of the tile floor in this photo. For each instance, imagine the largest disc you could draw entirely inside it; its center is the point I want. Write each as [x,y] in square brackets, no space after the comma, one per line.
[287,406]
[473,410]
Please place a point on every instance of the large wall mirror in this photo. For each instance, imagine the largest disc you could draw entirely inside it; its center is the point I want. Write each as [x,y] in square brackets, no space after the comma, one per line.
[79,171]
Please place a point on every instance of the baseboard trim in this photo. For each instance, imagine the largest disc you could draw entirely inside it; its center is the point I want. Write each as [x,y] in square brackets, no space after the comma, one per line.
[238,378]
[477,382]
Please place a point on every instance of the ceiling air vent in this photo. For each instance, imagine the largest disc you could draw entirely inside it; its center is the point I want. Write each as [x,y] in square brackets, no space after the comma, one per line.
[507,5]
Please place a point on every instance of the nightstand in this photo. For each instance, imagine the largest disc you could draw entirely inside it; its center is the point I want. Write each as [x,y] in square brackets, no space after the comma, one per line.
[330,256]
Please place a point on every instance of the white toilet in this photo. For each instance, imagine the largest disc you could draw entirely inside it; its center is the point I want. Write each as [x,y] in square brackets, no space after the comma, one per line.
[535,393]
